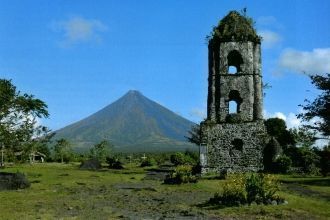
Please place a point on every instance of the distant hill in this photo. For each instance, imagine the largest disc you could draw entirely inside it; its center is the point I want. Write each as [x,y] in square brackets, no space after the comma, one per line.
[132,123]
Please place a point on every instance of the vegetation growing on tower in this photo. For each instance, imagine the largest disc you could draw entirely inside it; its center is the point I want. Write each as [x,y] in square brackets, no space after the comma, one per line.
[235,26]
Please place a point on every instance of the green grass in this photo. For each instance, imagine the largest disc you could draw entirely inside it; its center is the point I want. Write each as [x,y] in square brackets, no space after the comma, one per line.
[62,191]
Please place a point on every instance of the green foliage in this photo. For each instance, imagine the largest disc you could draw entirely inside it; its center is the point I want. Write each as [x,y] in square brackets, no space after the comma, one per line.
[282,164]
[194,135]
[261,188]
[303,136]
[276,127]
[320,107]
[233,192]
[19,130]
[114,163]
[87,195]
[271,151]
[63,151]
[148,162]
[308,160]
[101,150]
[182,174]
[235,26]
[183,159]
[325,161]
[243,189]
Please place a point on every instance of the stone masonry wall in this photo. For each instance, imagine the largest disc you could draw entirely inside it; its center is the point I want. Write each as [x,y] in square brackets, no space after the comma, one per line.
[233,147]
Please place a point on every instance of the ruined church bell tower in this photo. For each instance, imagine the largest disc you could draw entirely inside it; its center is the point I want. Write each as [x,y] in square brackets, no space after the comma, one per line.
[233,134]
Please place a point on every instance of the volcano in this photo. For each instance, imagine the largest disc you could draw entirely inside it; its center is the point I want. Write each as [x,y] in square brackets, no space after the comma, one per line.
[133,123]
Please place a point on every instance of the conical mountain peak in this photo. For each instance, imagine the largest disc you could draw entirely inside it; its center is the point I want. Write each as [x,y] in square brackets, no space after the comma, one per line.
[133,123]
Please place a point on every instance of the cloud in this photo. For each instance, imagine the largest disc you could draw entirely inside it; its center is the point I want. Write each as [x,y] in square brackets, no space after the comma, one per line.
[198,113]
[266,20]
[310,62]
[291,119]
[266,26]
[269,21]
[269,38]
[79,30]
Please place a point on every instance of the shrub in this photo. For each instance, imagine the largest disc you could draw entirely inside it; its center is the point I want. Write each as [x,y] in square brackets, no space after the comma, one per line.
[148,162]
[240,189]
[196,169]
[114,163]
[91,164]
[309,159]
[261,188]
[181,174]
[233,193]
[182,159]
[282,164]
[194,155]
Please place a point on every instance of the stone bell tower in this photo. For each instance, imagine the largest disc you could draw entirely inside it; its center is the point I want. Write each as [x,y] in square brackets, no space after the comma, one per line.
[233,134]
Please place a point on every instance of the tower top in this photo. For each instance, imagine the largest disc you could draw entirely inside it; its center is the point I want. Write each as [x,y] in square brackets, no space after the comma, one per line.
[235,27]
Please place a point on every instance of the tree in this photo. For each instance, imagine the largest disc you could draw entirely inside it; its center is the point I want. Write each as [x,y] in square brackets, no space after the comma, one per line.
[320,107]
[18,118]
[63,150]
[101,150]
[276,127]
[303,136]
[325,161]
[40,143]
[194,135]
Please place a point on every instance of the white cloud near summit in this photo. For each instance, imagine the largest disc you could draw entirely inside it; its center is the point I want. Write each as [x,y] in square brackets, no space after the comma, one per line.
[79,30]
[269,38]
[316,61]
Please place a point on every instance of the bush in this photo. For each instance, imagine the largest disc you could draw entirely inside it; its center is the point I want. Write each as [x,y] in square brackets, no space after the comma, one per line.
[91,164]
[114,163]
[282,164]
[233,193]
[261,188]
[182,159]
[148,162]
[240,189]
[182,174]
[196,169]
[309,159]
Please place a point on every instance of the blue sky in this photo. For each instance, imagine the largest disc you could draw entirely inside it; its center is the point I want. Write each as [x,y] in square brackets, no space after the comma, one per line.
[79,56]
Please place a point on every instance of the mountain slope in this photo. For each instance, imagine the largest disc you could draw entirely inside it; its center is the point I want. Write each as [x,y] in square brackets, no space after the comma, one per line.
[132,123]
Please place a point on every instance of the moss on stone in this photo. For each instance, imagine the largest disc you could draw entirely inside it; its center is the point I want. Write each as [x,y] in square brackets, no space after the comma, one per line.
[235,27]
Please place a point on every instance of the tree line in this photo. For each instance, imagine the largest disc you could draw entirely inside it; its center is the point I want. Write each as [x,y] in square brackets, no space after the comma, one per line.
[21,134]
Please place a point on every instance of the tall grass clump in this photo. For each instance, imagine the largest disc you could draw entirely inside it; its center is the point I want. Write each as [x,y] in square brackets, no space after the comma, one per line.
[242,189]
[181,174]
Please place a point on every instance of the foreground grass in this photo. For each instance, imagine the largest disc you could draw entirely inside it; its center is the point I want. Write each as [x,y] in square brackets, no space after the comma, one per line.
[62,191]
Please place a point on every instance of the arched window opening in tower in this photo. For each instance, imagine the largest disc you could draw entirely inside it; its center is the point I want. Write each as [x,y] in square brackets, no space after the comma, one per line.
[235,101]
[232,70]
[235,61]
[233,107]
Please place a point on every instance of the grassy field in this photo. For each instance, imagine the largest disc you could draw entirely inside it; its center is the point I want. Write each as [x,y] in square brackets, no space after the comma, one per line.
[62,191]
